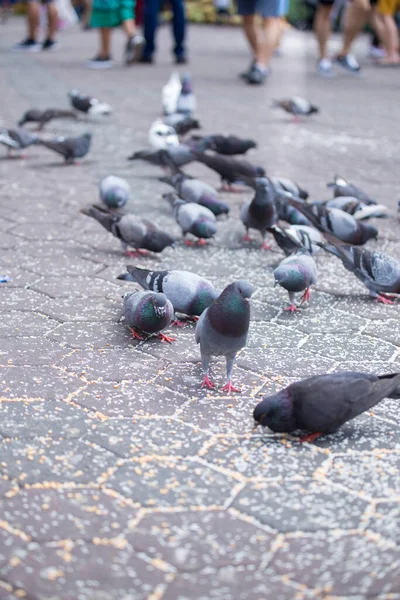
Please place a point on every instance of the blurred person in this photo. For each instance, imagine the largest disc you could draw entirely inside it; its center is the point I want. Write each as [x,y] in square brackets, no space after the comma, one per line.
[30,43]
[263,39]
[386,11]
[106,16]
[152,9]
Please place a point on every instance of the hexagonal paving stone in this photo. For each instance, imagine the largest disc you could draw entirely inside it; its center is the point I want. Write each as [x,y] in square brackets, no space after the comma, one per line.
[10,544]
[85,571]
[354,347]
[170,482]
[46,460]
[271,335]
[289,361]
[147,437]
[93,335]
[48,515]
[368,308]
[34,419]
[30,351]
[330,321]
[341,564]
[385,520]
[388,331]
[68,286]
[388,409]
[79,309]
[36,382]
[25,324]
[21,299]
[191,541]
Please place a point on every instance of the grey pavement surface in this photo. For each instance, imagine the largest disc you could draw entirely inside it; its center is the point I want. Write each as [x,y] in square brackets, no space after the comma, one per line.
[120,479]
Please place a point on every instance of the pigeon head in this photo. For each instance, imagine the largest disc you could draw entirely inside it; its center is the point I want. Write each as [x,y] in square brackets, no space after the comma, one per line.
[118,198]
[276,412]
[157,241]
[87,136]
[290,276]
[368,232]
[74,93]
[159,302]
[187,87]
[243,288]
[205,228]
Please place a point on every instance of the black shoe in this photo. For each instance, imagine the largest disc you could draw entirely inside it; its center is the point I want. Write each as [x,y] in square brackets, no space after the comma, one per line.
[146,59]
[181,59]
[257,76]
[245,74]
[27,45]
[49,44]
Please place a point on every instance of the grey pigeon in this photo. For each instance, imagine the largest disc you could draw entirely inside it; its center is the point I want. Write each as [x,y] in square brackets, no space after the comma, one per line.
[192,218]
[260,213]
[222,329]
[172,157]
[297,106]
[289,238]
[288,185]
[88,104]
[181,123]
[189,293]
[186,100]
[323,403]
[357,208]
[287,212]
[229,145]
[296,273]
[42,117]
[17,138]
[132,231]
[195,190]
[114,191]
[229,169]
[379,272]
[336,222]
[70,148]
[341,187]
[148,313]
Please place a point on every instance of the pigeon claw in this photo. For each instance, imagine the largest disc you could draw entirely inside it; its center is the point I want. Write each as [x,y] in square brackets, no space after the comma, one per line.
[311,437]
[188,243]
[228,387]
[383,300]
[292,308]
[265,246]
[246,238]
[166,338]
[202,242]
[132,254]
[306,296]
[136,335]
[177,323]
[207,383]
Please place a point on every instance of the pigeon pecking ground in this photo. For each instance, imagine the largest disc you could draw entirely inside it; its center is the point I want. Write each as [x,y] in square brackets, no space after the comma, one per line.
[120,478]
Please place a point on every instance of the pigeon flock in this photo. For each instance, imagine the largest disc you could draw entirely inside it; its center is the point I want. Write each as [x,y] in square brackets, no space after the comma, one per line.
[278,209]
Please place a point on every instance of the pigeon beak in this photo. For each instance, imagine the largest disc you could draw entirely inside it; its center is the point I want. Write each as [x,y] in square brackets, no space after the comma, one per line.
[276,282]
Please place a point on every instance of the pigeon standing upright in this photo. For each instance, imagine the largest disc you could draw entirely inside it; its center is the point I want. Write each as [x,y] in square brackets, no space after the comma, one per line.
[114,191]
[132,231]
[223,328]
[89,105]
[170,94]
[70,147]
[186,103]
[195,190]
[341,187]
[42,117]
[17,138]
[193,218]
[323,403]
[296,273]
[147,312]
[260,212]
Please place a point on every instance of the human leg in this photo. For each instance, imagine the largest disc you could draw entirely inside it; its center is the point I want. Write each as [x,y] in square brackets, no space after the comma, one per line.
[322,28]
[389,33]
[178,28]
[151,10]
[355,18]
[52,19]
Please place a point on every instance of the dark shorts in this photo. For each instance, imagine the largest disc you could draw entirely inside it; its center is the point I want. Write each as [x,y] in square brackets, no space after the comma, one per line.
[42,1]
[264,8]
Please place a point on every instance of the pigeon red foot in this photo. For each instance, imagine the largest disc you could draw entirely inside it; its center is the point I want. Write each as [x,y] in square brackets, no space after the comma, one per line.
[246,238]
[311,437]
[228,387]
[207,383]
[380,298]
[135,334]
[306,296]
[266,246]
[166,338]
[292,308]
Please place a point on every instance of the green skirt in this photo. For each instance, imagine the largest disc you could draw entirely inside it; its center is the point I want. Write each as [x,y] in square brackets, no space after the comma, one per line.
[113,14]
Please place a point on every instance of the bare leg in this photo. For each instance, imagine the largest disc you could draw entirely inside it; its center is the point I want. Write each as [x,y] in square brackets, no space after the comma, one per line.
[52,17]
[33,19]
[375,20]
[105,42]
[250,30]
[322,28]
[269,40]
[355,19]
[86,13]
[390,39]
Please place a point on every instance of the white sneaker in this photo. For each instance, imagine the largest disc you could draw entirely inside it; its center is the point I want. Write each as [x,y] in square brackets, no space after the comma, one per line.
[376,52]
[100,63]
[325,68]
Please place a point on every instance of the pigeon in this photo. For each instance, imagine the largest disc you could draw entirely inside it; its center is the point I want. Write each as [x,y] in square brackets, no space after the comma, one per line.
[289,213]
[173,157]
[114,191]
[229,145]
[284,184]
[297,106]
[323,403]
[222,329]
[229,169]
[357,208]
[379,272]
[189,293]
[132,231]
[17,138]
[289,238]
[341,187]
[88,105]
[42,117]
[147,313]
[70,148]
[260,212]
[170,94]
[195,190]
[162,136]
[192,218]
[296,273]
[181,123]
[336,222]
[186,103]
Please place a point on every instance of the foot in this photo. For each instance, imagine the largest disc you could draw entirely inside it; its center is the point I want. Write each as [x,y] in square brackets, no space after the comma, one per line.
[325,68]
[246,238]
[228,387]
[28,45]
[146,59]
[202,242]
[207,383]
[389,61]
[181,59]
[177,323]
[265,246]
[100,62]
[306,296]
[292,308]
[49,44]
[134,49]
[165,338]
[348,62]
[376,52]
[229,187]
[133,254]
[136,335]
[311,437]
[258,75]
[383,300]
[245,74]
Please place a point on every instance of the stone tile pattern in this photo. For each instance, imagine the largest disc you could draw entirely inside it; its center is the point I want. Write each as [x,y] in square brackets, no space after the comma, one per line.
[119,476]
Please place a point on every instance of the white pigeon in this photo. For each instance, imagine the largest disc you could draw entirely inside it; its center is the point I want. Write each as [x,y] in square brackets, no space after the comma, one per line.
[6,140]
[162,136]
[170,94]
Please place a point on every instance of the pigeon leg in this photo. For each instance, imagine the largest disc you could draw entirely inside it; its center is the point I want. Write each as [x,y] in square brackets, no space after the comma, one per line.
[296,119]
[165,338]
[265,246]
[383,300]
[136,335]
[142,252]
[205,363]
[311,437]
[202,242]
[291,308]
[228,387]
[207,383]
[135,254]
[188,243]
[178,323]
[246,237]
[306,296]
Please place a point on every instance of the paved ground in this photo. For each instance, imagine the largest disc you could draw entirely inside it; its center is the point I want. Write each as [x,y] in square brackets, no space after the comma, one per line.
[120,478]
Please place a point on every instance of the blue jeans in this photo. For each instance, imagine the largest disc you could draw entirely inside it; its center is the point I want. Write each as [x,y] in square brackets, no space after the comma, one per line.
[151,10]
